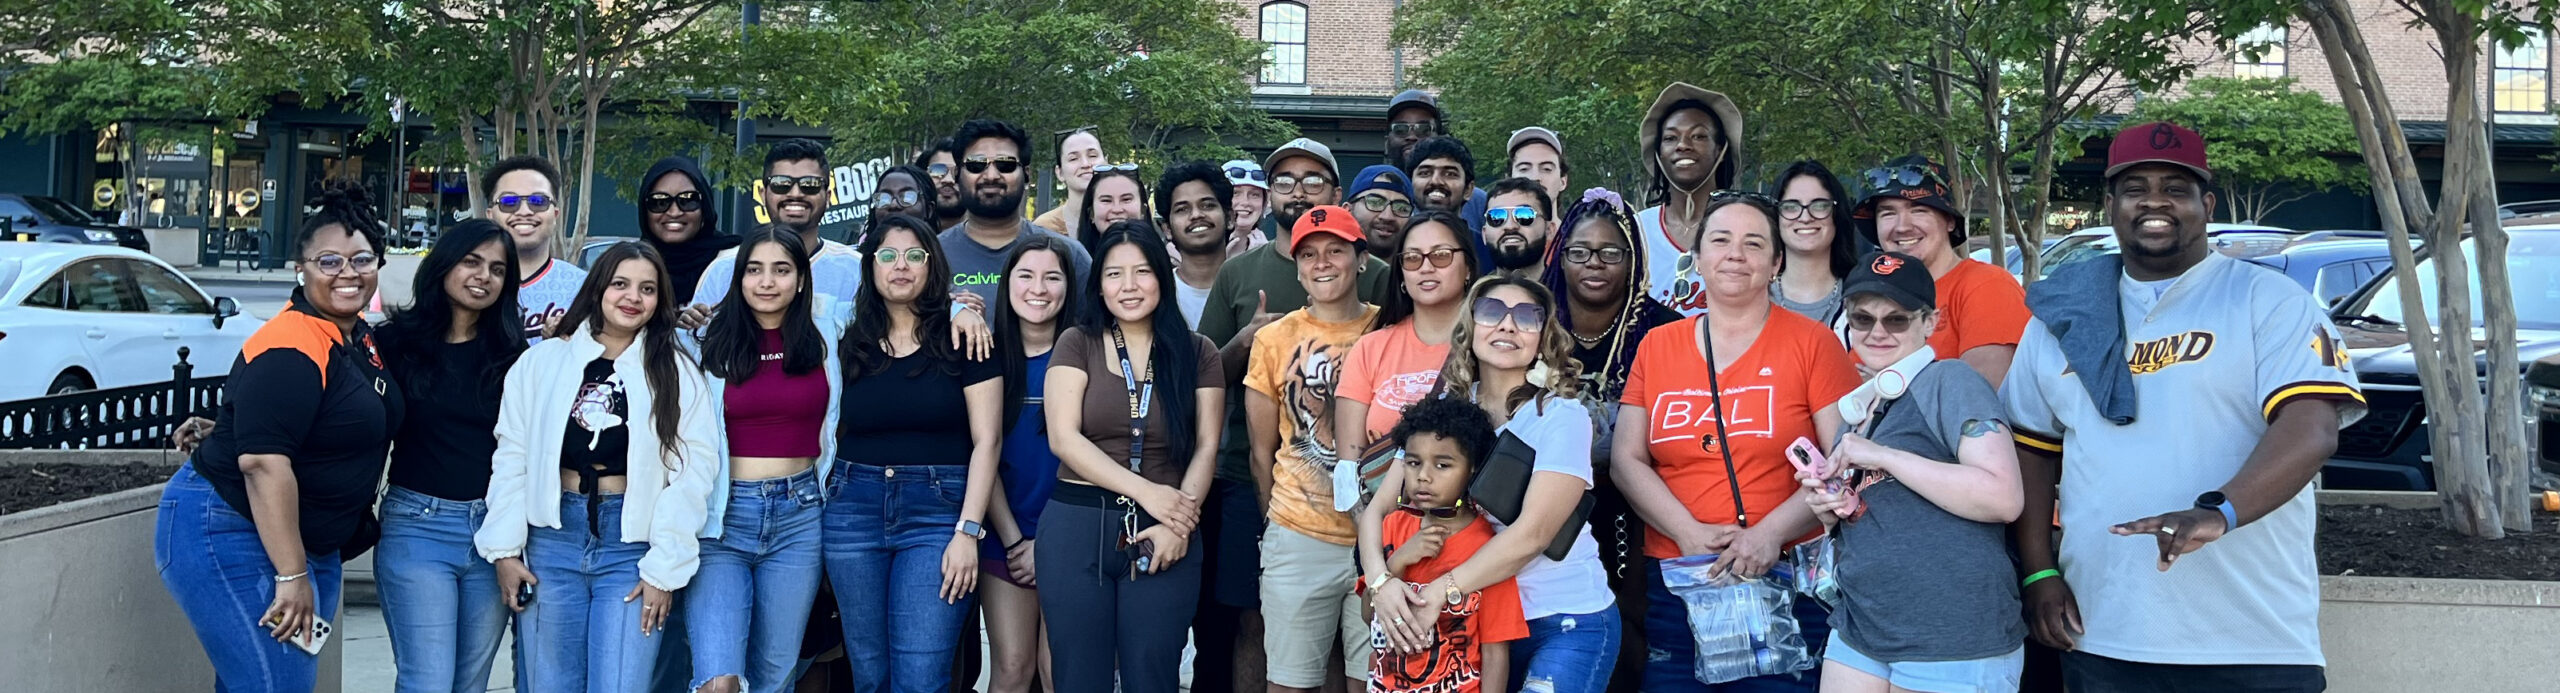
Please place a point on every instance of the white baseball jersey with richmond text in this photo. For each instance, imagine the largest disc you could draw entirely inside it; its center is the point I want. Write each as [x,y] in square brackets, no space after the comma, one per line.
[546,295]
[2214,357]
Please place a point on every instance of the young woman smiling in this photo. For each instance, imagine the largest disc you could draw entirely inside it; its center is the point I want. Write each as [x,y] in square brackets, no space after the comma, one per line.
[1038,291]
[1115,195]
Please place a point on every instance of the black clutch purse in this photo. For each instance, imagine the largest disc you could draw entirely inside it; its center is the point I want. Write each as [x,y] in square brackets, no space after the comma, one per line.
[1502,488]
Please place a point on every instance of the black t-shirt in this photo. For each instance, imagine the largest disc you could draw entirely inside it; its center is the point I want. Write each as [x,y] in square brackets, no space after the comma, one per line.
[296,390]
[598,441]
[448,437]
[910,412]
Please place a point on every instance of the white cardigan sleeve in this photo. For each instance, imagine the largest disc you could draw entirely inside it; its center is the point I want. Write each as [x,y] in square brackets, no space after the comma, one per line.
[502,533]
[683,506]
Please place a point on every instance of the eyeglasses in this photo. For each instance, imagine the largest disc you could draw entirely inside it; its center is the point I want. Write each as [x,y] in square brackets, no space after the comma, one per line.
[1817,209]
[1005,165]
[1423,128]
[1413,259]
[1247,173]
[1111,168]
[536,203]
[1907,174]
[1380,203]
[1746,196]
[1523,214]
[334,264]
[1285,184]
[659,202]
[1576,254]
[1528,316]
[781,185]
[903,198]
[1896,323]
[938,170]
[889,256]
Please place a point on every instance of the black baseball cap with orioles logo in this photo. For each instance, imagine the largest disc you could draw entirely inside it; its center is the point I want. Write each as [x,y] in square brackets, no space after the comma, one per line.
[1894,276]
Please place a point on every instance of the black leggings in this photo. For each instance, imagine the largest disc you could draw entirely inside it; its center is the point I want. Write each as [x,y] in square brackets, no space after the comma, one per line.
[1127,630]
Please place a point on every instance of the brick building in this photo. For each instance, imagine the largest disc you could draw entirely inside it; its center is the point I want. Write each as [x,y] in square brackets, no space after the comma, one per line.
[1331,69]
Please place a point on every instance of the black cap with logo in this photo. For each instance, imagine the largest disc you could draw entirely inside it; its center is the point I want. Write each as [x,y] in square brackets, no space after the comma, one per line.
[1895,276]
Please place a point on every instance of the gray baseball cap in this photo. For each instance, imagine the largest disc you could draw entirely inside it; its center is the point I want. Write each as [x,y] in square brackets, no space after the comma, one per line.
[1534,134]
[1307,148]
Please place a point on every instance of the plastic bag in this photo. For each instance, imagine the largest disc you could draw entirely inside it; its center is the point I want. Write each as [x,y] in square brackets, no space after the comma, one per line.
[1743,628]
[1814,577]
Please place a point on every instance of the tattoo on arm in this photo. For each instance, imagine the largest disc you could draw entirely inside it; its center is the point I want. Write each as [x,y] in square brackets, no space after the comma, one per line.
[1976,428]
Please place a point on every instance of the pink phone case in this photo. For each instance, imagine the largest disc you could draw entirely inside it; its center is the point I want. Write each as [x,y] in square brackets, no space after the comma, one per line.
[1810,461]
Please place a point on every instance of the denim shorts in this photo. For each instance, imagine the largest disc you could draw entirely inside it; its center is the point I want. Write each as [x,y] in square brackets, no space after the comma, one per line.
[1987,675]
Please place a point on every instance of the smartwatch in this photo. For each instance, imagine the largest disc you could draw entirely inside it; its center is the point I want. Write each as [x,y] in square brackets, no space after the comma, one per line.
[2215,501]
[972,529]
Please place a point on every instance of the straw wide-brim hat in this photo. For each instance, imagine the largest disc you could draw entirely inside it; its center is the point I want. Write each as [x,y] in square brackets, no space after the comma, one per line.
[1728,121]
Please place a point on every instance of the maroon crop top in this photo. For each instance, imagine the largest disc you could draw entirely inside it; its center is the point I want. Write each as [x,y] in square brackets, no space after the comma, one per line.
[773,414]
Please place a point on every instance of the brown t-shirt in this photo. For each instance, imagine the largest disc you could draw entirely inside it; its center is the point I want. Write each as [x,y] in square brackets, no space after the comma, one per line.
[1106,403]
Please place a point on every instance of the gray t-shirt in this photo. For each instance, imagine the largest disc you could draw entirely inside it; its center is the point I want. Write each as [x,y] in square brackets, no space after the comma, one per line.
[1825,310]
[1918,583]
[976,268]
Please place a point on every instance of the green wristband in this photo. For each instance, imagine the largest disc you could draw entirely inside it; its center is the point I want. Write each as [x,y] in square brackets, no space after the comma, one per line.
[2039,575]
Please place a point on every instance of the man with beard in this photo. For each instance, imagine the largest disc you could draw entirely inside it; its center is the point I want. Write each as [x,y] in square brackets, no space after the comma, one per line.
[1413,116]
[1537,153]
[1194,196]
[1078,154]
[942,163]
[995,166]
[1444,175]
[1518,221]
[1691,139]
[2242,386]
[796,189]
[1981,310]
[1383,202]
[524,197]
[1248,218]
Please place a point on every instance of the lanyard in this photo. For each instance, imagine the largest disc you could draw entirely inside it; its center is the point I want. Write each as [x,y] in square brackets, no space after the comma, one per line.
[1140,399]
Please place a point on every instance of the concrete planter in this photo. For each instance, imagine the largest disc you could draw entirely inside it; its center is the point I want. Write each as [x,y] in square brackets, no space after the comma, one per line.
[81,602]
[2414,634]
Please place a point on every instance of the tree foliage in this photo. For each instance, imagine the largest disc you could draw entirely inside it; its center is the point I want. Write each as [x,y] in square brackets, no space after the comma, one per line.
[68,65]
[2270,143]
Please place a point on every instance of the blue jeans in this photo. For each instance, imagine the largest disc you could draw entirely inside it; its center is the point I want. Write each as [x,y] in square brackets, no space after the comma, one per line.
[885,531]
[439,599]
[1670,659]
[209,557]
[1567,653]
[749,602]
[579,634]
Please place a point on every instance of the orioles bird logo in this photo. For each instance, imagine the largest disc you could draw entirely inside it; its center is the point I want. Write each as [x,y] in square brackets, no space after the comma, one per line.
[1887,264]
[2165,137]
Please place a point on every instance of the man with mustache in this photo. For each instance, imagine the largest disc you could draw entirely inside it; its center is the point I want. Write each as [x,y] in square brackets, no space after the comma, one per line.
[1981,310]
[1444,179]
[1691,139]
[1518,221]
[1538,154]
[524,197]
[1078,154]
[1383,202]
[1412,117]
[1194,196]
[941,162]
[795,191]
[995,168]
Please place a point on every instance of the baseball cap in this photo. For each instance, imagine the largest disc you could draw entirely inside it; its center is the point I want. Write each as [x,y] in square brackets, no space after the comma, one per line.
[1370,179]
[1244,172]
[1332,219]
[1413,97]
[1913,178]
[1534,134]
[1304,147]
[1895,276]
[2158,142]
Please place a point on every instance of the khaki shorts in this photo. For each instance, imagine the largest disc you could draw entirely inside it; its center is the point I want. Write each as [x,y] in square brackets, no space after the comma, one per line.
[1307,606]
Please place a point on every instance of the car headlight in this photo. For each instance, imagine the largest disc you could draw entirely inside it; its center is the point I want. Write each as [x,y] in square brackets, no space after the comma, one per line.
[102,236]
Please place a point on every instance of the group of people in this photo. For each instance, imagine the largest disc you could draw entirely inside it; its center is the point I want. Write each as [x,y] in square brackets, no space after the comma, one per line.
[1384,431]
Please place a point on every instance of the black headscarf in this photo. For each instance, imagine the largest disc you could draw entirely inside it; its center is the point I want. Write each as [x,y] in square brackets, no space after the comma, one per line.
[685,261]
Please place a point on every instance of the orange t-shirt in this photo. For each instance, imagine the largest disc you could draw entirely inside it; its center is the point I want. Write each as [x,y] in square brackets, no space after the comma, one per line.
[1770,393]
[1455,663]
[1978,305]
[1391,369]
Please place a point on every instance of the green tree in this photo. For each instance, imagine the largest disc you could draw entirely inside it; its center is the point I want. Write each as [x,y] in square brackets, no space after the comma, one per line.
[86,65]
[2270,142]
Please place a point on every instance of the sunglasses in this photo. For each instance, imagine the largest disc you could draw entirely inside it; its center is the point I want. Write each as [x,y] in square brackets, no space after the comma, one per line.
[1242,173]
[1896,323]
[1523,214]
[889,256]
[536,203]
[904,198]
[1005,165]
[1907,174]
[1575,254]
[1413,259]
[1746,196]
[1450,512]
[1424,128]
[1527,316]
[938,170]
[1817,209]
[1285,184]
[1111,168]
[333,264]
[1379,203]
[659,202]
[781,185]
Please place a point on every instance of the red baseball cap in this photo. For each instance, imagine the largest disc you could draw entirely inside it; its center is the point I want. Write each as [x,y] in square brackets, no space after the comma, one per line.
[2158,142]
[1331,219]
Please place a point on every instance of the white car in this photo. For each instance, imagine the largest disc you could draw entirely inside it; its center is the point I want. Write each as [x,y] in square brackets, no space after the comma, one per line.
[80,317]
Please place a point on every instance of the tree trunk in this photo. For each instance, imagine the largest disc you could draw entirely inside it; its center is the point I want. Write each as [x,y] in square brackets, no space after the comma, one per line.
[2510,466]
[587,158]
[2471,498]
[472,157]
[2031,248]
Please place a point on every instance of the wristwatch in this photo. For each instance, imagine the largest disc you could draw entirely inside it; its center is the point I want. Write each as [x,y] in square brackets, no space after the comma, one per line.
[2215,501]
[1456,597]
[973,529]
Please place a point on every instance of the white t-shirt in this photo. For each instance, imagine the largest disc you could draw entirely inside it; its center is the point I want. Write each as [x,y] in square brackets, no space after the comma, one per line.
[1561,433]
[835,274]
[546,295]
[1192,301]
[1668,274]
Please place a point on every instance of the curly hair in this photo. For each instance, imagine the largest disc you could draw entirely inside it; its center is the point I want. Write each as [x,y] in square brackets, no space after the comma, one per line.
[1628,327]
[1555,350]
[1454,418]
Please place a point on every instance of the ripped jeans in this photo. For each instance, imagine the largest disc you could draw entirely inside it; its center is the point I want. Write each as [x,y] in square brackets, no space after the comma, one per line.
[1567,653]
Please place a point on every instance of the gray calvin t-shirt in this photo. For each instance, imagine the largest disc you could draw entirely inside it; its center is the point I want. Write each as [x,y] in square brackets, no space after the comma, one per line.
[975,268]
[1918,583]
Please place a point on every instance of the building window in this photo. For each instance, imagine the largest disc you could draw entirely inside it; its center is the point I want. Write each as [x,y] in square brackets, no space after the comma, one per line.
[1284,33]
[2261,53]
[2522,76]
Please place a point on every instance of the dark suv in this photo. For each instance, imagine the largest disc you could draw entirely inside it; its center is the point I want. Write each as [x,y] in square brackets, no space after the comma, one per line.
[51,220]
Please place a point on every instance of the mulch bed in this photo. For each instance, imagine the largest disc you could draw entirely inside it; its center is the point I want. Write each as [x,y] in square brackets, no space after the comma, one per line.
[27,487]
[2390,542]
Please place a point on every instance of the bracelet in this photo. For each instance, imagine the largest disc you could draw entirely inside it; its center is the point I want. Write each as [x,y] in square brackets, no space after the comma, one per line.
[2039,575]
[281,579]
[1017,542]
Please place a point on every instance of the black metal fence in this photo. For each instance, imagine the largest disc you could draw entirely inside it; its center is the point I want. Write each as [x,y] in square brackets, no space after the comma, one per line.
[141,416]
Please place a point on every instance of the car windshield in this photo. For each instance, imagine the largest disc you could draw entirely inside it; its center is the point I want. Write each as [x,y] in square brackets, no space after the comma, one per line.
[57,210]
[2533,271]
[2075,249]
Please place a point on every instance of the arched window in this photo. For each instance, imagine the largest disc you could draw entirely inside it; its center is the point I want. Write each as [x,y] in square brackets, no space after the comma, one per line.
[1284,37]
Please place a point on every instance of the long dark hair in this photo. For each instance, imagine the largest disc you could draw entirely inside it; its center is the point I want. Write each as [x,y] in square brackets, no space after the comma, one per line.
[1008,327]
[1086,232]
[1399,303]
[1844,237]
[412,330]
[733,344]
[1174,356]
[865,344]
[657,336]
[1626,326]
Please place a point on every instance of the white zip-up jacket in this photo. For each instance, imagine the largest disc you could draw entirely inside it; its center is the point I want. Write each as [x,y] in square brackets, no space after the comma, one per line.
[666,503]
[831,330]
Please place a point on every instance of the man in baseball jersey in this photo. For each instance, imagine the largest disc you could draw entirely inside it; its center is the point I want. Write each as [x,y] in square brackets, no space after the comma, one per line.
[524,197]
[2186,553]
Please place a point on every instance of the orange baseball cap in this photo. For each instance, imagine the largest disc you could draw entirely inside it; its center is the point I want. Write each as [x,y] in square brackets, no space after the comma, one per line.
[1330,219]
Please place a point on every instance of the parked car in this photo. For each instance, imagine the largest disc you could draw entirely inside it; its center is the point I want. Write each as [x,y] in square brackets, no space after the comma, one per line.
[2333,269]
[2242,241]
[51,220]
[2308,237]
[80,317]
[2529,208]
[2388,448]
